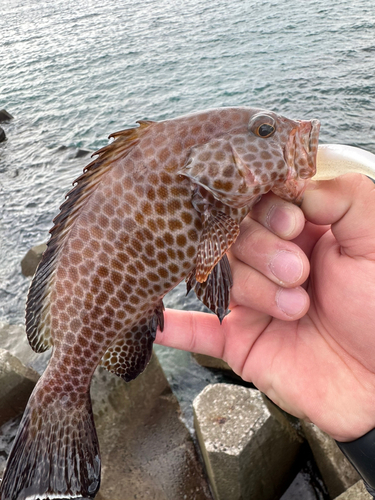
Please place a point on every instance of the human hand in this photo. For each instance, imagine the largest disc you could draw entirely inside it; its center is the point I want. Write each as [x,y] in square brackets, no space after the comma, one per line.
[305,337]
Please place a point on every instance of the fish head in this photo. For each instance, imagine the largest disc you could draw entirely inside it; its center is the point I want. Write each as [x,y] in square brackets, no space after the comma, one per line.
[284,155]
[268,152]
[290,145]
[297,143]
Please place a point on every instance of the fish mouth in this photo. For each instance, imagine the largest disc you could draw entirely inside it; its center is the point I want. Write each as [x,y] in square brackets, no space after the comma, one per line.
[301,149]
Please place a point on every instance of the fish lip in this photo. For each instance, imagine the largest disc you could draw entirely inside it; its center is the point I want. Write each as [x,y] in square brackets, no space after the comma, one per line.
[301,149]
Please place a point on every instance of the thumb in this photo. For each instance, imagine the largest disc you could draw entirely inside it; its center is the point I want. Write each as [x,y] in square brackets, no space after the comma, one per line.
[348,204]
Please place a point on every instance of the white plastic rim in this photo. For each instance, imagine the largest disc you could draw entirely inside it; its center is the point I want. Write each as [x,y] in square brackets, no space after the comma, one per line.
[336,159]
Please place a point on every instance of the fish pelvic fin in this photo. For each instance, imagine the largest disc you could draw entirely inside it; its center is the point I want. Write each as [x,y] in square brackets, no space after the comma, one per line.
[55,453]
[38,302]
[215,291]
[130,353]
[220,231]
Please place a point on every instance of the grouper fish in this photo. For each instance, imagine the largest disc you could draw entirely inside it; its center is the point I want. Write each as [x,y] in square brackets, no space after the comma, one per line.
[162,202]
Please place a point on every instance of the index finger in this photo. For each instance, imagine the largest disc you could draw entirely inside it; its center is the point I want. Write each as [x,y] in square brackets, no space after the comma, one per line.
[202,333]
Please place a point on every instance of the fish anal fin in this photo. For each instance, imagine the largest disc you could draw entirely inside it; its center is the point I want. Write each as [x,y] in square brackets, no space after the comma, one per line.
[129,354]
[38,301]
[215,291]
[219,233]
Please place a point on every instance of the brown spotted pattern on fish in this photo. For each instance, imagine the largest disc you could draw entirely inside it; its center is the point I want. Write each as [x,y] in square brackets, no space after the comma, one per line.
[161,203]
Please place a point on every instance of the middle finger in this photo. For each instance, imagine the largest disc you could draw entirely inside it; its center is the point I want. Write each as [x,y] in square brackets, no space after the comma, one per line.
[282,262]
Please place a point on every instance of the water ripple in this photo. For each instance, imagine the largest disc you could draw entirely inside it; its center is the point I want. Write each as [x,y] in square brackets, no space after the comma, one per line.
[75,71]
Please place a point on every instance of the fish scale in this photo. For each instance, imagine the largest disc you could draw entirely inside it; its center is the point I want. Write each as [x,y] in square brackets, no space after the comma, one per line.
[161,203]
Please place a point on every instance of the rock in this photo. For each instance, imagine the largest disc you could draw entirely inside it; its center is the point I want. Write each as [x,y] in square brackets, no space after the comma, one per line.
[216,365]
[16,384]
[248,453]
[337,472]
[356,492]
[31,260]
[146,450]
[2,135]
[5,116]
[13,338]
[80,153]
[8,432]
[211,362]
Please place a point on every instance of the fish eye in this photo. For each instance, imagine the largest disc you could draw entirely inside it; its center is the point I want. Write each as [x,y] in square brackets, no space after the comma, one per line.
[265,130]
[262,125]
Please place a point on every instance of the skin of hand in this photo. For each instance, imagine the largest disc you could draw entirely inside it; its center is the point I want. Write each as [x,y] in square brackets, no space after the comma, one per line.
[302,320]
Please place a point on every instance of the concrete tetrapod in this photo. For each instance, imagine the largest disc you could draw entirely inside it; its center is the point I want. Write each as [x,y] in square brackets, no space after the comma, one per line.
[247,452]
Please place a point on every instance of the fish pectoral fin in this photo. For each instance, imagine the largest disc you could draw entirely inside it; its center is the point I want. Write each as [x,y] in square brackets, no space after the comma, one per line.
[215,291]
[130,353]
[219,233]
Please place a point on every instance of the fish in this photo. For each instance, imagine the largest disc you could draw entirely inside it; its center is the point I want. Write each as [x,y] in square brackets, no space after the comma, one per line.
[160,203]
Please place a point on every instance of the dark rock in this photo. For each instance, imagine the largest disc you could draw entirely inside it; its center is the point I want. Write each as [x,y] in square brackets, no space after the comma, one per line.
[5,116]
[2,135]
[82,152]
[216,365]
[16,384]
[211,362]
[31,260]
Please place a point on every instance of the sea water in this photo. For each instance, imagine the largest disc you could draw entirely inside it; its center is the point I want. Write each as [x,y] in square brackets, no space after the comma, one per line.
[72,72]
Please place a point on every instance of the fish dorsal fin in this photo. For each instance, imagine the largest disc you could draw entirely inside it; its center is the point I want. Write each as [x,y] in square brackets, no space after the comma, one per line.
[129,355]
[38,301]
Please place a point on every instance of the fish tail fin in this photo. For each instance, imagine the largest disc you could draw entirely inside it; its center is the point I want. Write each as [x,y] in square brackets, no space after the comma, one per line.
[55,453]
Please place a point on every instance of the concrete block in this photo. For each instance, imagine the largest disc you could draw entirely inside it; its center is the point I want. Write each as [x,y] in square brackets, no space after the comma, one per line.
[356,492]
[247,452]
[31,260]
[211,362]
[13,338]
[146,450]
[16,384]
[337,472]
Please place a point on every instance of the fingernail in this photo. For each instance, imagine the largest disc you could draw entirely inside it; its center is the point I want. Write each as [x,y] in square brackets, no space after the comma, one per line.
[281,220]
[291,301]
[286,266]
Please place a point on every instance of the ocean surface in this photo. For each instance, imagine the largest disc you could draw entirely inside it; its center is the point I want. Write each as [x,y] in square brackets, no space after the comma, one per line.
[72,72]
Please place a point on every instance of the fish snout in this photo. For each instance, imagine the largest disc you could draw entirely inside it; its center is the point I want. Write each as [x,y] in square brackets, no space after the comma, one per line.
[306,139]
